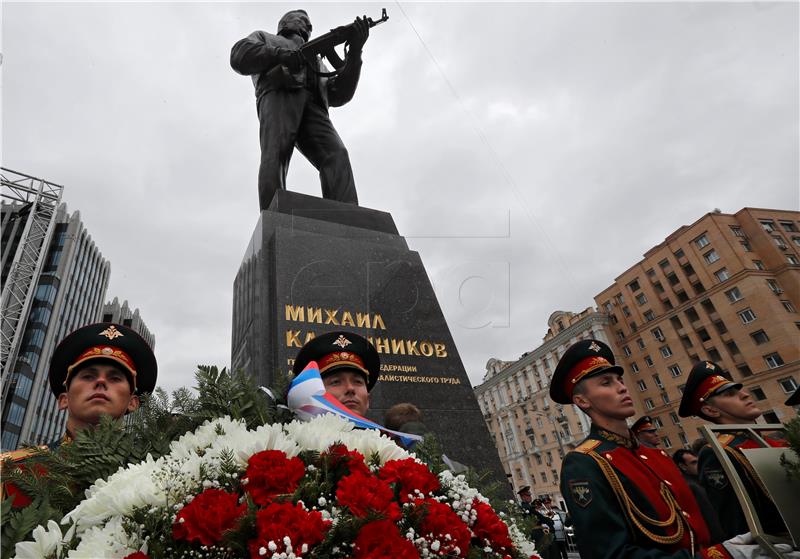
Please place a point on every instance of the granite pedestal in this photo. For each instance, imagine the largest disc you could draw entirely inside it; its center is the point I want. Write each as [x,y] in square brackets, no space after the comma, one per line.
[315,265]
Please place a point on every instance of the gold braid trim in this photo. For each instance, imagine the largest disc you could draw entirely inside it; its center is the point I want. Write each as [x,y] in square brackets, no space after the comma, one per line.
[637,516]
[737,454]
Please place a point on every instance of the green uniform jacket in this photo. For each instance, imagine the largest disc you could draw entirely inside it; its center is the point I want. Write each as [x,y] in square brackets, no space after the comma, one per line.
[720,492]
[605,519]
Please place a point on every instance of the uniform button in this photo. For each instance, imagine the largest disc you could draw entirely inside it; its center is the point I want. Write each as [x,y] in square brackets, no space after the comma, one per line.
[684,513]
[608,457]
[667,482]
[643,457]
[663,453]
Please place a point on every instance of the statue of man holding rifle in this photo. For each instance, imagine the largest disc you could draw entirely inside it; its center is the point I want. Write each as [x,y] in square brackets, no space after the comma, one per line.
[293,92]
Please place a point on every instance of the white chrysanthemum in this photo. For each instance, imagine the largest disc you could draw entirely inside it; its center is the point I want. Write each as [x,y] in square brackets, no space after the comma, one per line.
[45,543]
[107,542]
[206,435]
[521,543]
[245,443]
[128,488]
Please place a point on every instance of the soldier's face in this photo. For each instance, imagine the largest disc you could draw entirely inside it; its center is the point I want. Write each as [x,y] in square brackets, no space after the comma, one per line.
[734,405]
[97,389]
[607,396]
[649,437]
[296,22]
[350,388]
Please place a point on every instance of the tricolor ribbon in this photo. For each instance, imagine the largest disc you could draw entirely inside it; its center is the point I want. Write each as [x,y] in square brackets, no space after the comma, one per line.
[307,398]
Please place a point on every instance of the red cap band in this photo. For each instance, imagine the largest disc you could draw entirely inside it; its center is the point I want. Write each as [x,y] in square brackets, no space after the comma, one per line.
[105,352]
[342,358]
[581,369]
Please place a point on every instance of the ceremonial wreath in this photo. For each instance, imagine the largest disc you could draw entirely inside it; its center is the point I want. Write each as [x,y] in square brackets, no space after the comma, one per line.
[310,489]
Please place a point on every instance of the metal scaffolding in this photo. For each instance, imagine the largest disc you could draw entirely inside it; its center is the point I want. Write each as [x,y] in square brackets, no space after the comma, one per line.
[38,199]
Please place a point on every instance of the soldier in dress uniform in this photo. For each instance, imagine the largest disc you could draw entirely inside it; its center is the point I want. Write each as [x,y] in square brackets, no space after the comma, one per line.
[99,369]
[711,395]
[646,431]
[348,364]
[625,499]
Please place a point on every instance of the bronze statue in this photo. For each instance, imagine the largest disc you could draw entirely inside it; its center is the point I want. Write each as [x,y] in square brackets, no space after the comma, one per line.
[293,92]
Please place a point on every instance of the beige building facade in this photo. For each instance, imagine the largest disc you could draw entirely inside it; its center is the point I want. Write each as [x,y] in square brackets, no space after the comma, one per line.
[725,289]
[531,432]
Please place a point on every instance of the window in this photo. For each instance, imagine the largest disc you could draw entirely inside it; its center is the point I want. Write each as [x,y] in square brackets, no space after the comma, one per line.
[633,326]
[759,265]
[744,370]
[698,288]
[708,306]
[747,316]
[770,417]
[746,246]
[768,225]
[626,311]
[714,355]
[720,326]
[674,417]
[774,286]
[686,341]
[634,367]
[757,392]
[692,315]
[666,442]
[665,397]
[674,370]
[620,298]
[759,337]
[734,295]
[679,253]
[788,306]
[648,360]
[640,343]
[796,240]
[736,230]
[657,422]
[642,385]
[703,334]
[620,334]
[651,273]
[666,352]
[649,316]
[634,285]
[641,299]
[701,241]
[792,259]
[688,269]
[733,349]
[722,274]
[657,380]
[788,384]
[711,256]
[648,403]
[788,226]
[676,322]
[627,351]
[658,334]
[667,303]
[779,242]
[773,360]
[664,263]
[544,477]
[672,278]
[660,288]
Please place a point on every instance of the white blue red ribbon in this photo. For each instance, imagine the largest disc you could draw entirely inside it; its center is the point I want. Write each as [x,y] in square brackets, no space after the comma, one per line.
[307,398]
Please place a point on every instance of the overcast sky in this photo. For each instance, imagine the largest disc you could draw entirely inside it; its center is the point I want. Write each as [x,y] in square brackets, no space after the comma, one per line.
[531,152]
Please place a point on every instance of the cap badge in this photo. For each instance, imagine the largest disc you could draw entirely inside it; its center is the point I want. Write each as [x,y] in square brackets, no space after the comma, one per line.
[594,347]
[111,333]
[342,342]
[710,366]
[107,351]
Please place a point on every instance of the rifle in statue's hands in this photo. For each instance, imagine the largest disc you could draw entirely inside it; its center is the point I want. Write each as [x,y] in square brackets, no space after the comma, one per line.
[325,45]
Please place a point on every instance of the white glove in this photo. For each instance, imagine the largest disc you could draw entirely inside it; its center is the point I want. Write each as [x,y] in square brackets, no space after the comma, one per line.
[787,551]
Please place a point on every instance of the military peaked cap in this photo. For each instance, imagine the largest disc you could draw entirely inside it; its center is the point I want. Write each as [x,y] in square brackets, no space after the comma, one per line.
[644,423]
[705,380]
[336,351]
[584,359]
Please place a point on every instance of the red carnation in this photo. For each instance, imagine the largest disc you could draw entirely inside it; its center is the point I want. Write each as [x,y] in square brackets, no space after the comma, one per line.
[137,555]
[382,540]
[489,527]
[271,473]
[410,475]
[440,521]
[209,514]
[280,520]
[366,494]
[339,455]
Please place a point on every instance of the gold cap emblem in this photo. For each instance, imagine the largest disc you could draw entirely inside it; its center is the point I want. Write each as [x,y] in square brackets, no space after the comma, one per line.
[342,342]
[111,332]
[710,366]
[594,347]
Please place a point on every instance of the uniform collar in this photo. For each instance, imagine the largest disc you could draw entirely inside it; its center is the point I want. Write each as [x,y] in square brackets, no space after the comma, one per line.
[603,434]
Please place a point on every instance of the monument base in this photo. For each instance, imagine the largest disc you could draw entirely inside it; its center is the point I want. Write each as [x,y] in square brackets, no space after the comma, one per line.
[315,265]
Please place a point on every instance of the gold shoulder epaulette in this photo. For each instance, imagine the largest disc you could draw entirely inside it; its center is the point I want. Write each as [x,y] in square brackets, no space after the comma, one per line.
[587,446]
[17,455]
[725,440]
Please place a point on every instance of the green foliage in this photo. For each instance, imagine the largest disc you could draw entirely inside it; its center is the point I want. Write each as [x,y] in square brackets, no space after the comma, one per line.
[57,480]
[793,437]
